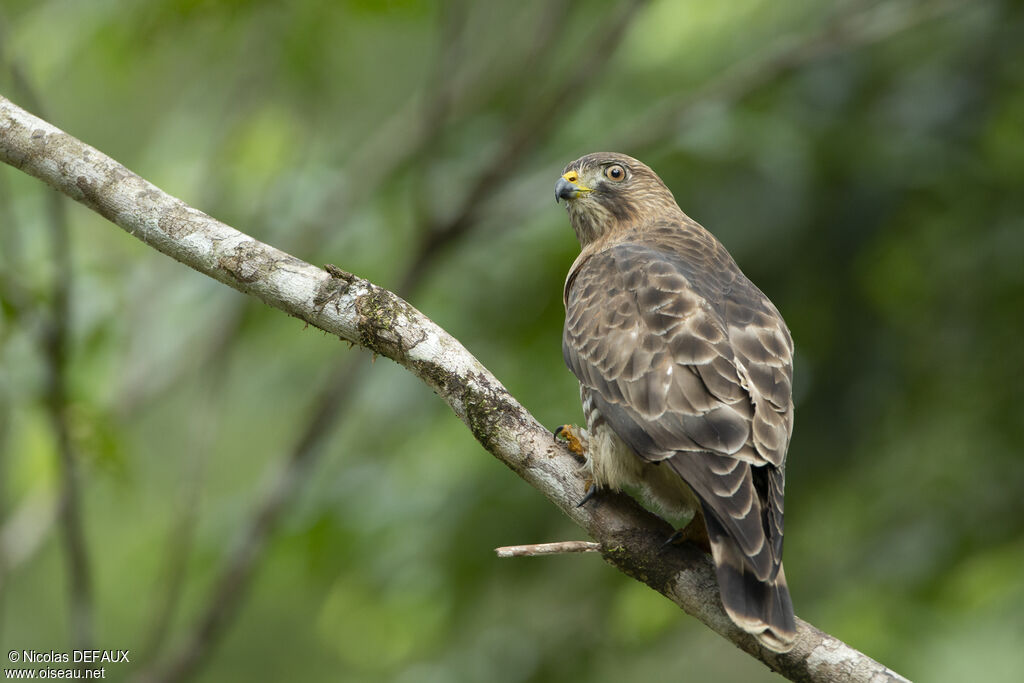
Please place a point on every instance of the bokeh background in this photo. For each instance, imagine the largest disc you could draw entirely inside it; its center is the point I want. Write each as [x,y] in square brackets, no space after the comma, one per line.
[190,475]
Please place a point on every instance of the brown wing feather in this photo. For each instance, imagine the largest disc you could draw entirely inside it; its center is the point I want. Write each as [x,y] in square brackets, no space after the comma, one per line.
[690,363]
[665,327]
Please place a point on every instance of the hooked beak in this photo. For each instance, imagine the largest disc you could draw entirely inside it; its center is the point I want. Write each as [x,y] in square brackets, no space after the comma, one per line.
[565,190]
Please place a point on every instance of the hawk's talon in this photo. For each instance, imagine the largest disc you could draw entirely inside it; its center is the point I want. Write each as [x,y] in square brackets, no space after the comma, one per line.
[676,537]
[695,532]
[591,491]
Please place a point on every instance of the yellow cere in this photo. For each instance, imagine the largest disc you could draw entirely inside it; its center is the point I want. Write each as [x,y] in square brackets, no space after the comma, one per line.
[574,178]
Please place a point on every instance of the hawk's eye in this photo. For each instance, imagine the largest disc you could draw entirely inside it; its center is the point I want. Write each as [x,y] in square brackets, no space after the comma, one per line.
[615,172]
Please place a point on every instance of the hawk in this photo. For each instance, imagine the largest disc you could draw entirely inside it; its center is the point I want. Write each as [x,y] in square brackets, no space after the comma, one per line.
[685,372]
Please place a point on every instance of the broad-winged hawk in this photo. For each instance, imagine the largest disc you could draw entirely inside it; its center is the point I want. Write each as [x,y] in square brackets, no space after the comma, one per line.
[685,372]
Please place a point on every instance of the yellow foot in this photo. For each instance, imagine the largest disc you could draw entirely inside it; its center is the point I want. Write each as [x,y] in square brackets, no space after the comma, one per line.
[573,439]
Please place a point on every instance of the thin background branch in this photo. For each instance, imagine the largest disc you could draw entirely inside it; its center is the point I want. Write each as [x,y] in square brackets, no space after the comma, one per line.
[559,548]
[55,340]
[247,549]
[523,137]
[56,343]
[203,429]
[859,25]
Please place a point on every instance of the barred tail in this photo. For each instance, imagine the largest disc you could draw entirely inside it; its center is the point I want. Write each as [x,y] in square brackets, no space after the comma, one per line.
[760,606]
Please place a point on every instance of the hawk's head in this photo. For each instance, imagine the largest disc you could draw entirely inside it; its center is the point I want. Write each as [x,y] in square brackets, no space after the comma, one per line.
[608,191]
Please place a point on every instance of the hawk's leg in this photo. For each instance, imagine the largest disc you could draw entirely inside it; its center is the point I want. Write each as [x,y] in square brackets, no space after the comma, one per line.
[576,441]
[696,532]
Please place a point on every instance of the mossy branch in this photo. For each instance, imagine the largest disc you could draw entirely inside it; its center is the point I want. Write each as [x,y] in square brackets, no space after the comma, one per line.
[357,311]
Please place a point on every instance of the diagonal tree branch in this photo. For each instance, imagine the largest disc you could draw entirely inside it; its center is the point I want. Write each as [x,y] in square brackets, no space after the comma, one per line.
[358,311]
[231,584]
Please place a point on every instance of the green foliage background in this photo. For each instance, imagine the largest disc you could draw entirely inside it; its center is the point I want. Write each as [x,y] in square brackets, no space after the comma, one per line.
[865,167]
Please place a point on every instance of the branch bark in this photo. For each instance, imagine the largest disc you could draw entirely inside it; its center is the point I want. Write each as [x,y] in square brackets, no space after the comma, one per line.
[360,312]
